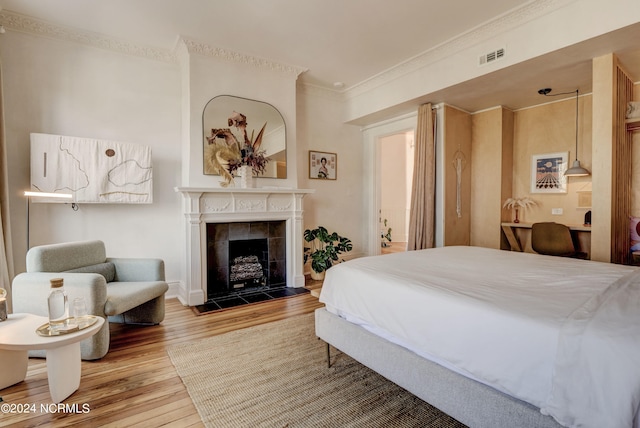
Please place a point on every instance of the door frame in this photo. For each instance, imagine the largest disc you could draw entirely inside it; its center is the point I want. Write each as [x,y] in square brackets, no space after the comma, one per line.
[372,135]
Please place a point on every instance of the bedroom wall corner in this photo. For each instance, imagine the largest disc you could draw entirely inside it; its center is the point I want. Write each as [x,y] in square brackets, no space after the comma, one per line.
[336,204]
[491,174]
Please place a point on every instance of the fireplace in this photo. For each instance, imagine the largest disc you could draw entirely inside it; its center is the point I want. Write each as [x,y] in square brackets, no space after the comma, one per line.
[245,256]
[205,207]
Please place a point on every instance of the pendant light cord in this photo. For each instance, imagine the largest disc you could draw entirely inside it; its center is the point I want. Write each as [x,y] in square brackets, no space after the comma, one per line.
[576,170]
[576,124]
[547,93]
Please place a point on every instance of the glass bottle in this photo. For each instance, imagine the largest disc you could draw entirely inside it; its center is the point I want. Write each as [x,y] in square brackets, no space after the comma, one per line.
[58,305]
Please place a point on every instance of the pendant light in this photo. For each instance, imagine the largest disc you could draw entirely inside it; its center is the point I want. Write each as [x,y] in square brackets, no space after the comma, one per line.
[576,170]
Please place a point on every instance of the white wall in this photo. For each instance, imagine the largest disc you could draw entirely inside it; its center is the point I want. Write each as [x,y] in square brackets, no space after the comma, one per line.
[336,204]
[396,170]
[210,76]
[66,88]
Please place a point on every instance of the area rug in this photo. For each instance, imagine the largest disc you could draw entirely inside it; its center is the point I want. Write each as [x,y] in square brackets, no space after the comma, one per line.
[276,375]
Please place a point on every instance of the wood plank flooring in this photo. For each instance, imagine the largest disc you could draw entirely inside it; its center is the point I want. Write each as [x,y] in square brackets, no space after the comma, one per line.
[394,247]
[135,384]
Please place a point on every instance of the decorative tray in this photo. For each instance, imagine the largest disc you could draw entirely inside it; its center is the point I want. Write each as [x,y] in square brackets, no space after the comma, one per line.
[72,325]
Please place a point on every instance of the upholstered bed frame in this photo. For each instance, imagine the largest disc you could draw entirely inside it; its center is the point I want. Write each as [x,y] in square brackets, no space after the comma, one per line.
[468,401]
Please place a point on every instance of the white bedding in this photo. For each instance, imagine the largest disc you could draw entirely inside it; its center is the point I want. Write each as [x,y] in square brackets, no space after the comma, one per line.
[498,316]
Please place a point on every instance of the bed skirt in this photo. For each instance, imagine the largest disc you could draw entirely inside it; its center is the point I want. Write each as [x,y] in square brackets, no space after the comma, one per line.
[464,399]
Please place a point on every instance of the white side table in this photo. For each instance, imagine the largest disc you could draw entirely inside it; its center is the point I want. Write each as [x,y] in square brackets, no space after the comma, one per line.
[18,335]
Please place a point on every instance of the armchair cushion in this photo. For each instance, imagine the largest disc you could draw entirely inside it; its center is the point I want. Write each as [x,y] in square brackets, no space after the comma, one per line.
[132,269]
[65,256]
[108,270]
[123,296]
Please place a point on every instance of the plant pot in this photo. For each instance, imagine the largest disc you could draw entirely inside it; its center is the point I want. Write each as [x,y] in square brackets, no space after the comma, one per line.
[317,276]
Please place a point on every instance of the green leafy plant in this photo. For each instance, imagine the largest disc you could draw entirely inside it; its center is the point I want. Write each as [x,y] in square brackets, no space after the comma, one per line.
[325,248]
[386,237]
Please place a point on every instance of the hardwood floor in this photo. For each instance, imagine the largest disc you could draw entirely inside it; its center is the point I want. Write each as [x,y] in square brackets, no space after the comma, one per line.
[135,384]
[394,247]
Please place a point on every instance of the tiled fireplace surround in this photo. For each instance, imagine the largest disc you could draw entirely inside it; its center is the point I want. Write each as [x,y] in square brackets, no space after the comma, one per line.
[203,206]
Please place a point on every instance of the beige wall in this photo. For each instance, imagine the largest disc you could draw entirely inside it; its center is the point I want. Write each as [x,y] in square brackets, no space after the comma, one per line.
[550,128]
[547,128]
[492,171]
[504,143]
[457,137]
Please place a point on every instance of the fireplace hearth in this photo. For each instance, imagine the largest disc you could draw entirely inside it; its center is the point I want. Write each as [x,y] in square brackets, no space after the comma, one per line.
[245,256]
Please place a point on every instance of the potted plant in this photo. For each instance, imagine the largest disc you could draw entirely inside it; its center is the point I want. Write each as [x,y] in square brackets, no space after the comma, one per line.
[385,235]
[324,250]
[516,203]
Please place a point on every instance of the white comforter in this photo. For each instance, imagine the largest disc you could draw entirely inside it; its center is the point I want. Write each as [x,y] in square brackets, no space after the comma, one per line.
[561,334]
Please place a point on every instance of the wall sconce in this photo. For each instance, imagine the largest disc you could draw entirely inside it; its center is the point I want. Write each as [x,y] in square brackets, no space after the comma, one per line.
[43,195]
[576,170]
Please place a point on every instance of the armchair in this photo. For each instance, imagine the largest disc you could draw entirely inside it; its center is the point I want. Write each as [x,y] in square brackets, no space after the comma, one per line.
[125,290]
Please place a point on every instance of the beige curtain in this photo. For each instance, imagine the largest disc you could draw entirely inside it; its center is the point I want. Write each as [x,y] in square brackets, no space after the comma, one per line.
[6,260]
[422,215]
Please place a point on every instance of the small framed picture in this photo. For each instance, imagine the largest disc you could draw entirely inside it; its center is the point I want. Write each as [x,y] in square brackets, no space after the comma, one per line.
[322,165]
[547,173]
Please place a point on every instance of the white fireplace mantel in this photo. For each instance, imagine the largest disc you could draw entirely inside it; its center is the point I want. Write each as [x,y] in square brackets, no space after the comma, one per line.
[224,205]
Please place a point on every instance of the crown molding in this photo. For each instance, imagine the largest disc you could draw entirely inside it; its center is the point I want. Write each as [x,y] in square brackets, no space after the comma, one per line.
[26,24]
[17,22]
[315,90]
[199,48]
[463,41]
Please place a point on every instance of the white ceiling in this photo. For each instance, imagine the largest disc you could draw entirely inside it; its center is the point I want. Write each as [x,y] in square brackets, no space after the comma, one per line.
[345,41]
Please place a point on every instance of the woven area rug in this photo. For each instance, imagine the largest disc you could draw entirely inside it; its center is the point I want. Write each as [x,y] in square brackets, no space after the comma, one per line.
[276,375]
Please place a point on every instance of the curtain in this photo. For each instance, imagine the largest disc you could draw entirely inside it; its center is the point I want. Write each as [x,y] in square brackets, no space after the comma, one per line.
[6,260]
[422,214]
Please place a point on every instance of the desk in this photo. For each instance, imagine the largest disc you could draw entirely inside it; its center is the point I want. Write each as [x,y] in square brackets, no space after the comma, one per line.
[509,230]
[18,336]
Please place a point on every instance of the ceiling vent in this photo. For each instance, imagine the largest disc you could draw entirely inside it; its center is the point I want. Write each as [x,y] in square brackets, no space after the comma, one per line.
[491,56]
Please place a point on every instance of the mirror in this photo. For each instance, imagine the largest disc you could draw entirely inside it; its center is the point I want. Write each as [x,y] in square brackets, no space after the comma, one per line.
[217,114]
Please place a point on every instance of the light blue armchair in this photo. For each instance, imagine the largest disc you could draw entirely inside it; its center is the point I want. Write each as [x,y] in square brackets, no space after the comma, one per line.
[125,290]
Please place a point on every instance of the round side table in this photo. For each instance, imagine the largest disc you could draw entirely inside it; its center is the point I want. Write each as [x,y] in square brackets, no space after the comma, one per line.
[18,336]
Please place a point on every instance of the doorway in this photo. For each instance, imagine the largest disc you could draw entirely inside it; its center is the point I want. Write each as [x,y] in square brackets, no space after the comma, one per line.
[396,175]
[372,135]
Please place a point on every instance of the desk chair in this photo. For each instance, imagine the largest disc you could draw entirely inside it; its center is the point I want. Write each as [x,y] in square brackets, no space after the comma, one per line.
[554,239]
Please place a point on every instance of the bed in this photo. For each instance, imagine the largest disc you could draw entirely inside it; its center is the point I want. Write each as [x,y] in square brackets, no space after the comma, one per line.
[494,338]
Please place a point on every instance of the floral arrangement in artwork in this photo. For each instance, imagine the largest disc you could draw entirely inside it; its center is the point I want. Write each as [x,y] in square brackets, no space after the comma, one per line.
[227,153]
[516,204]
